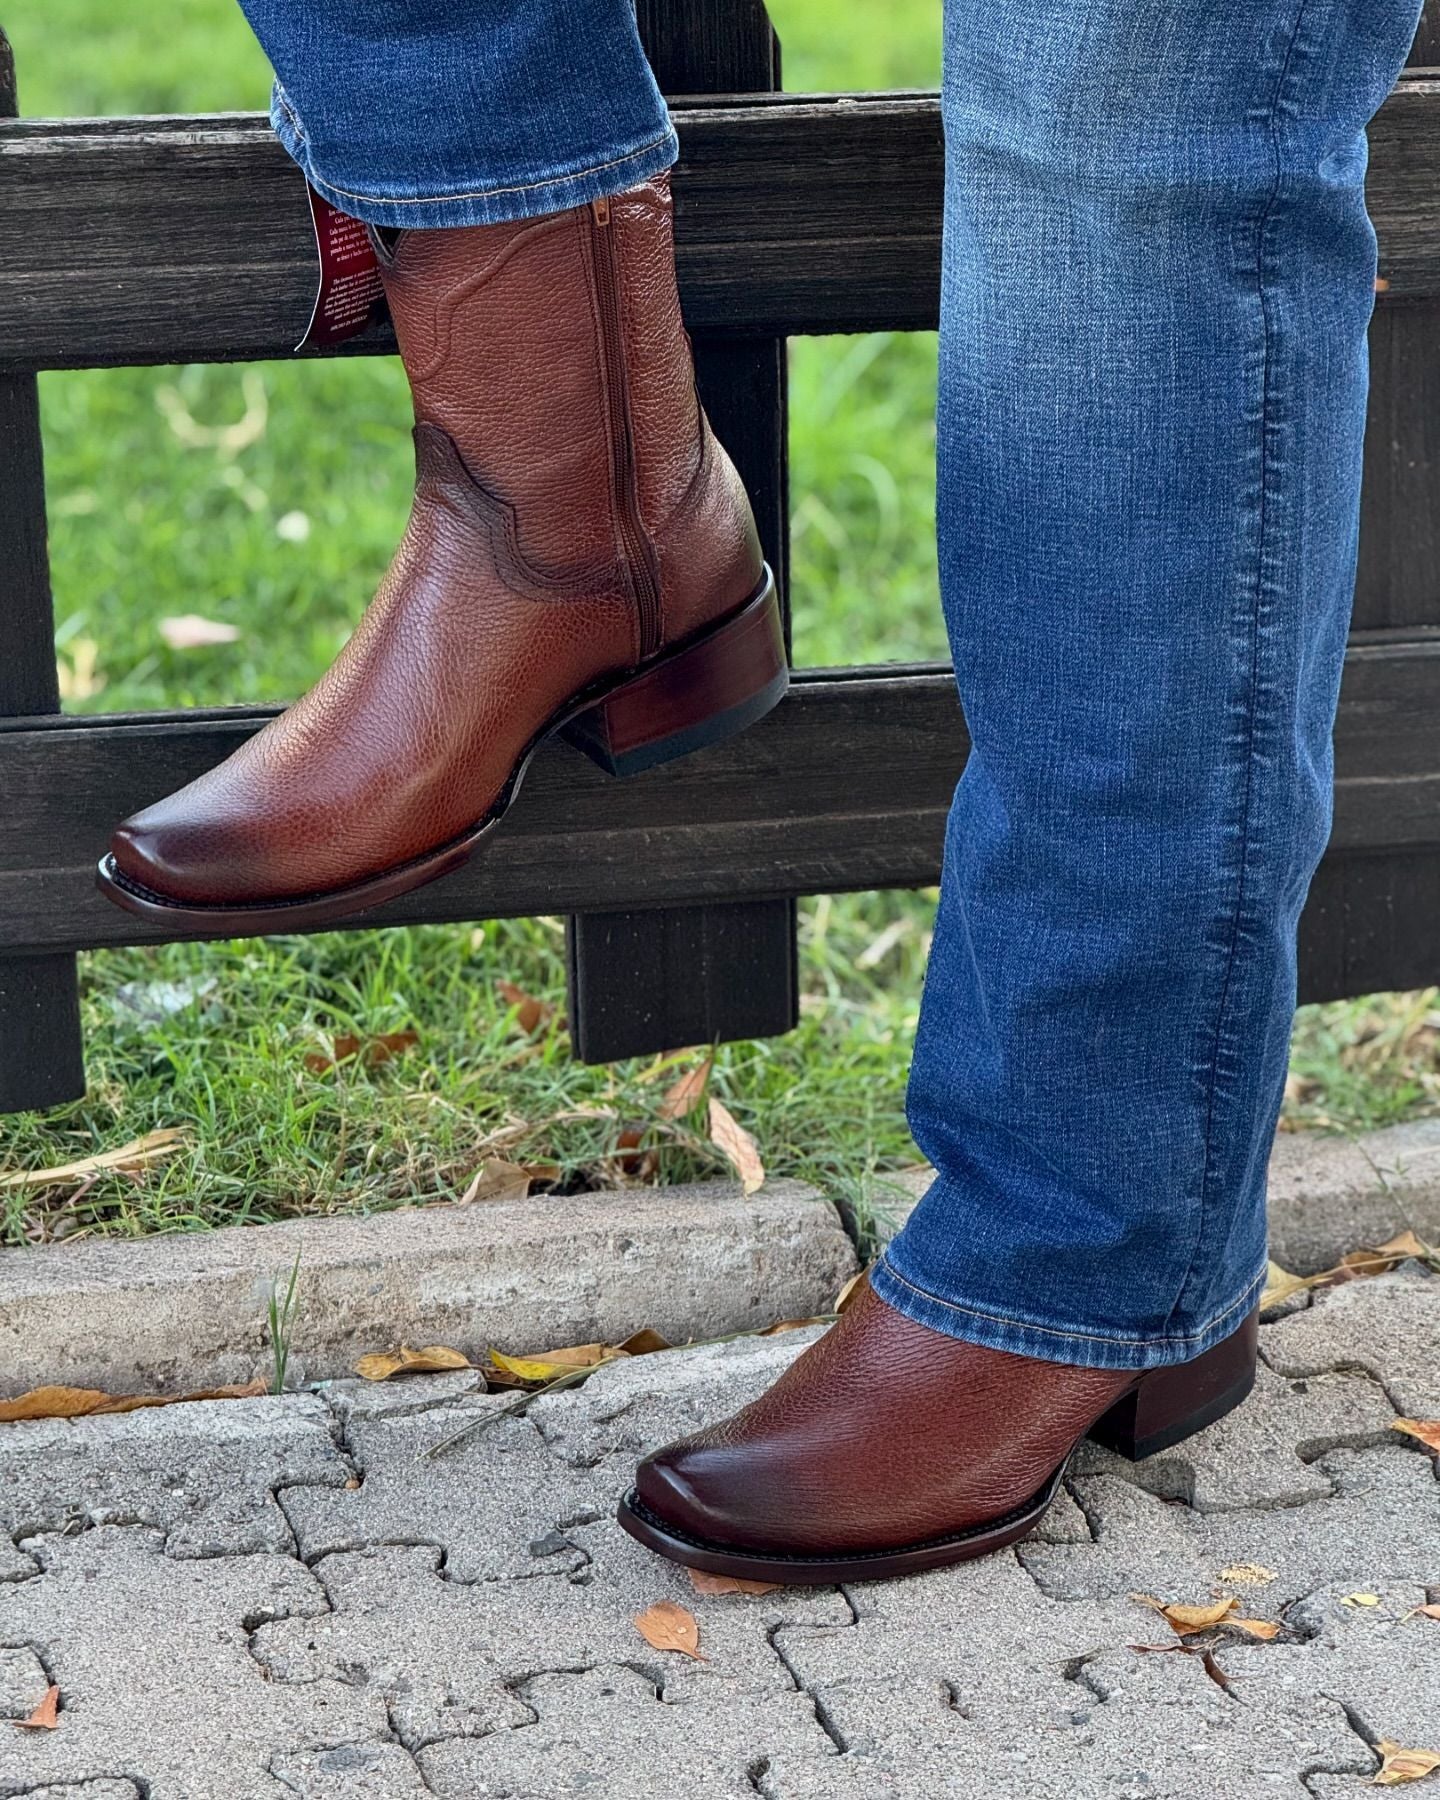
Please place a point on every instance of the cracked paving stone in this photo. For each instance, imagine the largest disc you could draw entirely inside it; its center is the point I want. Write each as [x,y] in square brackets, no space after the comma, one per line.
[630,1408]
[607,1732]
[447,1657]
[1389,1326]
[1382,1524]
[1383,1666]
[984,1627]
[204,1473]
[23,1681]
[409,1394]
[484,1502]
[350,1772]
[14,1564]
[151,1655]
[85,1790]
[1264,1453]
[1124,1726]
[1064,1523]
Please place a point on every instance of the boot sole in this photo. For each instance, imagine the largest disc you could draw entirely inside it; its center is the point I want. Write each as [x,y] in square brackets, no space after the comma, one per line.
[699,694]
[1161,1410]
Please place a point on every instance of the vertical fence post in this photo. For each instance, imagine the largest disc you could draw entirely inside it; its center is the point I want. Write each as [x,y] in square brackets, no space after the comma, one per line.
[658,979]
[40,1053]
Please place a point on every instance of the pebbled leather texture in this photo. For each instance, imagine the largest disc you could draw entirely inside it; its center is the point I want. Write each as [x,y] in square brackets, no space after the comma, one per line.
[513,590]
[883,1434]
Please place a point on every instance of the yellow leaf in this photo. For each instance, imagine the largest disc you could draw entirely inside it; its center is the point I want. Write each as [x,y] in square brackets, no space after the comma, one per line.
[1427,1430]
[1247,1574]
[704,1583]
[46,1715]
[1183,1620]
[137,1154]
[381,1365]
[1361,1600]
[667,1626]
[1397,1765]
[496,1179]
[79,1403]
[1280,1284]
[1256,1628]
[551,1363]
[737,1146]
[688,1091]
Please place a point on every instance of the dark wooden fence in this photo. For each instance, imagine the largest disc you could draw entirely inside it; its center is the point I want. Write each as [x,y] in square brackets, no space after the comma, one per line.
[130,241]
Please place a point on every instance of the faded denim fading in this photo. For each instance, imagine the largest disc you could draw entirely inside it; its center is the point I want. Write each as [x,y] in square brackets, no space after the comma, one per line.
[463,112]
[1158,275]
[1157,280]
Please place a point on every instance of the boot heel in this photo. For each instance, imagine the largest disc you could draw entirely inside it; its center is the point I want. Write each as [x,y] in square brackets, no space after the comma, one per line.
[1168,1405]
[698,695]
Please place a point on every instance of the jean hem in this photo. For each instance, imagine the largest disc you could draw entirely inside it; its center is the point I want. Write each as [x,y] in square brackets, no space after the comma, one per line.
[1055,1342]
[486,203]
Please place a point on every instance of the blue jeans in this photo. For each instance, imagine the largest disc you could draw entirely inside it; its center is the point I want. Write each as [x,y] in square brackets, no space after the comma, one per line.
[1158,275]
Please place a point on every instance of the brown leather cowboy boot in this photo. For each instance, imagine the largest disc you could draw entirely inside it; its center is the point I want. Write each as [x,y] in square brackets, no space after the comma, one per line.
[581,558]
[888,1448]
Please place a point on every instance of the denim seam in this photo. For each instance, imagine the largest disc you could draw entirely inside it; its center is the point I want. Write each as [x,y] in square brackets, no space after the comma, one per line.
[1262,276]
[493,193]
[1247,1296]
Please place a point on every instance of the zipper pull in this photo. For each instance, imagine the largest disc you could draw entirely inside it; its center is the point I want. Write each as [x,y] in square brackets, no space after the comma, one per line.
[601,210]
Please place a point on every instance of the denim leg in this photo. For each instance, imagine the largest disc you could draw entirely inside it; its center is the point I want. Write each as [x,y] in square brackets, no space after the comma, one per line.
[1157,279]
[463,112]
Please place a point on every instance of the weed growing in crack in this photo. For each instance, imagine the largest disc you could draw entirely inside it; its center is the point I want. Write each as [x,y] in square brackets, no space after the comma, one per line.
[279,1318]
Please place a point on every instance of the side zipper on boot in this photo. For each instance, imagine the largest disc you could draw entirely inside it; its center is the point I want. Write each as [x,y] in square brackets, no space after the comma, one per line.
[639,554]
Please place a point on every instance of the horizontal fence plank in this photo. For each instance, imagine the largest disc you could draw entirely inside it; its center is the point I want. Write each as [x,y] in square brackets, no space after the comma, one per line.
[167,240]
[845,786]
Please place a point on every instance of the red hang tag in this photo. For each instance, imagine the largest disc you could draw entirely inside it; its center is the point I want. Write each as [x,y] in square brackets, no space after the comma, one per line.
[349,277]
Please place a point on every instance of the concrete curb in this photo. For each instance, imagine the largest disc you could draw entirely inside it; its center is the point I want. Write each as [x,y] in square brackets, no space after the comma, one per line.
[172,1313]
[1327,1194]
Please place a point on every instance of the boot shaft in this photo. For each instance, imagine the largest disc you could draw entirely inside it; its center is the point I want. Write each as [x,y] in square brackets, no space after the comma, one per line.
[553,353]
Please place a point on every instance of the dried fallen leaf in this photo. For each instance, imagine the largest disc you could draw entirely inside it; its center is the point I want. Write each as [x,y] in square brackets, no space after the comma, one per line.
[1183,1620]
[550,1363]
[1432,1611]
[496,1179]
[46,1715]
[138,1154]
[1247,1574]
[381,1365]
[530,1013]
[704,1583]
[1361,1600]
[1382,1258]
[1264,1629]
[846,1297]
[687,1093]
[1397,1765]
[781,1326]
[737,1146]
[372,1051]
[1280,1284]
[667,1626]
[78,1403]
[644,1342]
[1427,1430]
[190,632]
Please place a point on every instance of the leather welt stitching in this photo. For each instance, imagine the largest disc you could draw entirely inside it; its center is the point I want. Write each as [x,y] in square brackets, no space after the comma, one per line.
[441,461]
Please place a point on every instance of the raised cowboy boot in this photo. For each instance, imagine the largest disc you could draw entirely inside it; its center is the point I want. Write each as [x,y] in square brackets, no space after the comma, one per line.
[888,1448]
[581,558]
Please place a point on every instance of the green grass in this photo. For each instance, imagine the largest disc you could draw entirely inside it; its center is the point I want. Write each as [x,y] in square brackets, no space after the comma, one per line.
[270,498]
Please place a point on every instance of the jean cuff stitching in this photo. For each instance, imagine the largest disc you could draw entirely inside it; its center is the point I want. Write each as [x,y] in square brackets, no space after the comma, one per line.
[497,193]
[1087,1337]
